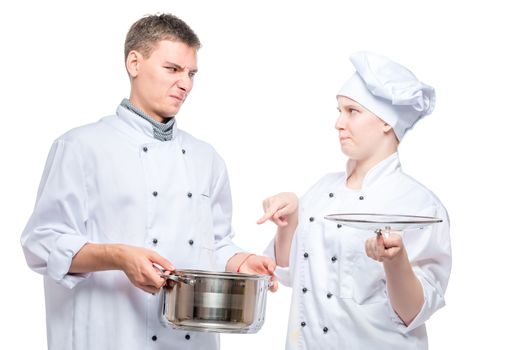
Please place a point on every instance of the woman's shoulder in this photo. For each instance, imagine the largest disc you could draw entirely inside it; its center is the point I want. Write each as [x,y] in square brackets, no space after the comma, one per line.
[326,182]
[415,189]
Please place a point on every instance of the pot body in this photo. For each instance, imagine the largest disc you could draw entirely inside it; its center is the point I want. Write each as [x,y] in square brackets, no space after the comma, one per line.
[215,301]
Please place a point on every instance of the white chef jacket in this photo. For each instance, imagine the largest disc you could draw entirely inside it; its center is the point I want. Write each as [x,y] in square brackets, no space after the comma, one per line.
[113,182]
[340,299]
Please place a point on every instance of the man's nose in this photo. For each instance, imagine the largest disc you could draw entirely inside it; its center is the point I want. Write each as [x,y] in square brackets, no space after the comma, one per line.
[185,83]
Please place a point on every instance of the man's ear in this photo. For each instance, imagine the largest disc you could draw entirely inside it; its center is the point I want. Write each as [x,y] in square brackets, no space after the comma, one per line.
[133,60]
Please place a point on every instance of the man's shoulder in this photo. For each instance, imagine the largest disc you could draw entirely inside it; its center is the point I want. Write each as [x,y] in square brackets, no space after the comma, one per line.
[197,145]
[85,133]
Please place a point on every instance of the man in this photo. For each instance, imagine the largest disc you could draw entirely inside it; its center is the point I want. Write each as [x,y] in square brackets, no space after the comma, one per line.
[132,193]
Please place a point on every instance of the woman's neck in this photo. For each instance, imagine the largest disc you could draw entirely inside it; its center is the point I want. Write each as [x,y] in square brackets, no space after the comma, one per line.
[362,166]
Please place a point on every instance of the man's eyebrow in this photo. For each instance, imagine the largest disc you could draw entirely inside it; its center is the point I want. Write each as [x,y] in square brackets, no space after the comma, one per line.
[173,64]
[177,66]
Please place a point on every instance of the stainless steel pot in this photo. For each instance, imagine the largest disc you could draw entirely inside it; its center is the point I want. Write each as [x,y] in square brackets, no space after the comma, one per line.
[215,301]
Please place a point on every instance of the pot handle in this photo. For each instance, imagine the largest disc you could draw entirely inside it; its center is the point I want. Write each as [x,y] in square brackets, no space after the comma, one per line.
[176,278]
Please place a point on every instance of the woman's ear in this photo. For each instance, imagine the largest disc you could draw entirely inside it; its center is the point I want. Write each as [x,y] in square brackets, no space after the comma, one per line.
[386,128]
[133,63]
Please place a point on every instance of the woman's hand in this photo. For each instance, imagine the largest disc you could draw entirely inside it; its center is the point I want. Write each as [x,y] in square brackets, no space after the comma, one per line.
[255,265]
[404,288]
[279,207]
[383,248]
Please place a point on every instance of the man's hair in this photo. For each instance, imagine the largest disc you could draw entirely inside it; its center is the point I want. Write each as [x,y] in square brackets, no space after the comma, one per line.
[145,33]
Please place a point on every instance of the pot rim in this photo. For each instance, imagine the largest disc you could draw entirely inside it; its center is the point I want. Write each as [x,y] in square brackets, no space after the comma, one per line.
[218,274]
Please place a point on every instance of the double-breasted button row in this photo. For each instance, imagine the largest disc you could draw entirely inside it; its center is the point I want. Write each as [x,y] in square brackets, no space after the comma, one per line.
[325,329]
[145,149]
[189,194]
[155,338]
[155,241]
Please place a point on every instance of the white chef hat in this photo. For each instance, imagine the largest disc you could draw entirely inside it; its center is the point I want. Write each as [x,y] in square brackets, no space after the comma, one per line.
[389,90]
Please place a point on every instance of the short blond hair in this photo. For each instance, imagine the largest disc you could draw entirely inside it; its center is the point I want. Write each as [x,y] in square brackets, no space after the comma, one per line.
[149,30]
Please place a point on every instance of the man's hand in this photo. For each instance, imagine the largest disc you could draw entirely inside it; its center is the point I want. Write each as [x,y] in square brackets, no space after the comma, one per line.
[137,264]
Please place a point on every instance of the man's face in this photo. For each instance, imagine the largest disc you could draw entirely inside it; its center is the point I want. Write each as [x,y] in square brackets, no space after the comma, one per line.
[161,82]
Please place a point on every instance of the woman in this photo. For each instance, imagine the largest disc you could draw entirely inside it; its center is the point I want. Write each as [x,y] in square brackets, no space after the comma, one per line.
[353,289]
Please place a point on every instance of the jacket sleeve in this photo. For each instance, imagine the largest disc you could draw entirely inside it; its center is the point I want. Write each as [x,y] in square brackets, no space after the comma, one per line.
[221,208]
[56,230]
[284,274]
[429,252]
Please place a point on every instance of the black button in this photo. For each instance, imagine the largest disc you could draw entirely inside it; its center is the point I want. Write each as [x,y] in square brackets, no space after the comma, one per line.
[155,241]
[333,258]
[187,337]
[154,338]
[183,151]
[329,295]
[191,242]
[303,324]
[306,255]
[331,195]
[304,290]
[339,225]
[189,194]
[311,219]
[325,329]
[144,149]
[361,198]
[155,193]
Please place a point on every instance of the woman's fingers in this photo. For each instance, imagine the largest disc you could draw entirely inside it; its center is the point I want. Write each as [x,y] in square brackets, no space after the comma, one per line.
[267,215]
[380,248]
[274,284]
[278,207]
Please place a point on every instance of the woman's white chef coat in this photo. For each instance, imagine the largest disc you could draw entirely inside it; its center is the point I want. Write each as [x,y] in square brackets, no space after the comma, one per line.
[339,299]
[112,182]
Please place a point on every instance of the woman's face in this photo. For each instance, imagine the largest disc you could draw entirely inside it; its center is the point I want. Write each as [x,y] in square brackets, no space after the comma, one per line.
[360,132]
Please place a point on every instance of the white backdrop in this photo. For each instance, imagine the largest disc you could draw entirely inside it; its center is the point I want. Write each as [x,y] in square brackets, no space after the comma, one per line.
[265,98]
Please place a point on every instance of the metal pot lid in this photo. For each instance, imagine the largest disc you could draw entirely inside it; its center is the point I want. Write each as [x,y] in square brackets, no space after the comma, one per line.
[366,221]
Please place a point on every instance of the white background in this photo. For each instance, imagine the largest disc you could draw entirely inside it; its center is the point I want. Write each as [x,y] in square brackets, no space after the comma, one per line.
[265,98]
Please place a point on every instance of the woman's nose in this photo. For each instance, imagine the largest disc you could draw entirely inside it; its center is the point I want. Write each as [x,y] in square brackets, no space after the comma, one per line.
[339,125]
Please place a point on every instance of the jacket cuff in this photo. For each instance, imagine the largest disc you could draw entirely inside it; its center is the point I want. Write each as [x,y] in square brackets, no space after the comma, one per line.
[60,259]
[283,274]
[224,253]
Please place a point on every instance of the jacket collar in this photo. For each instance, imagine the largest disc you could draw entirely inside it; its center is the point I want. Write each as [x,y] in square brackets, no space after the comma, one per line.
[382,169]
[139,127]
